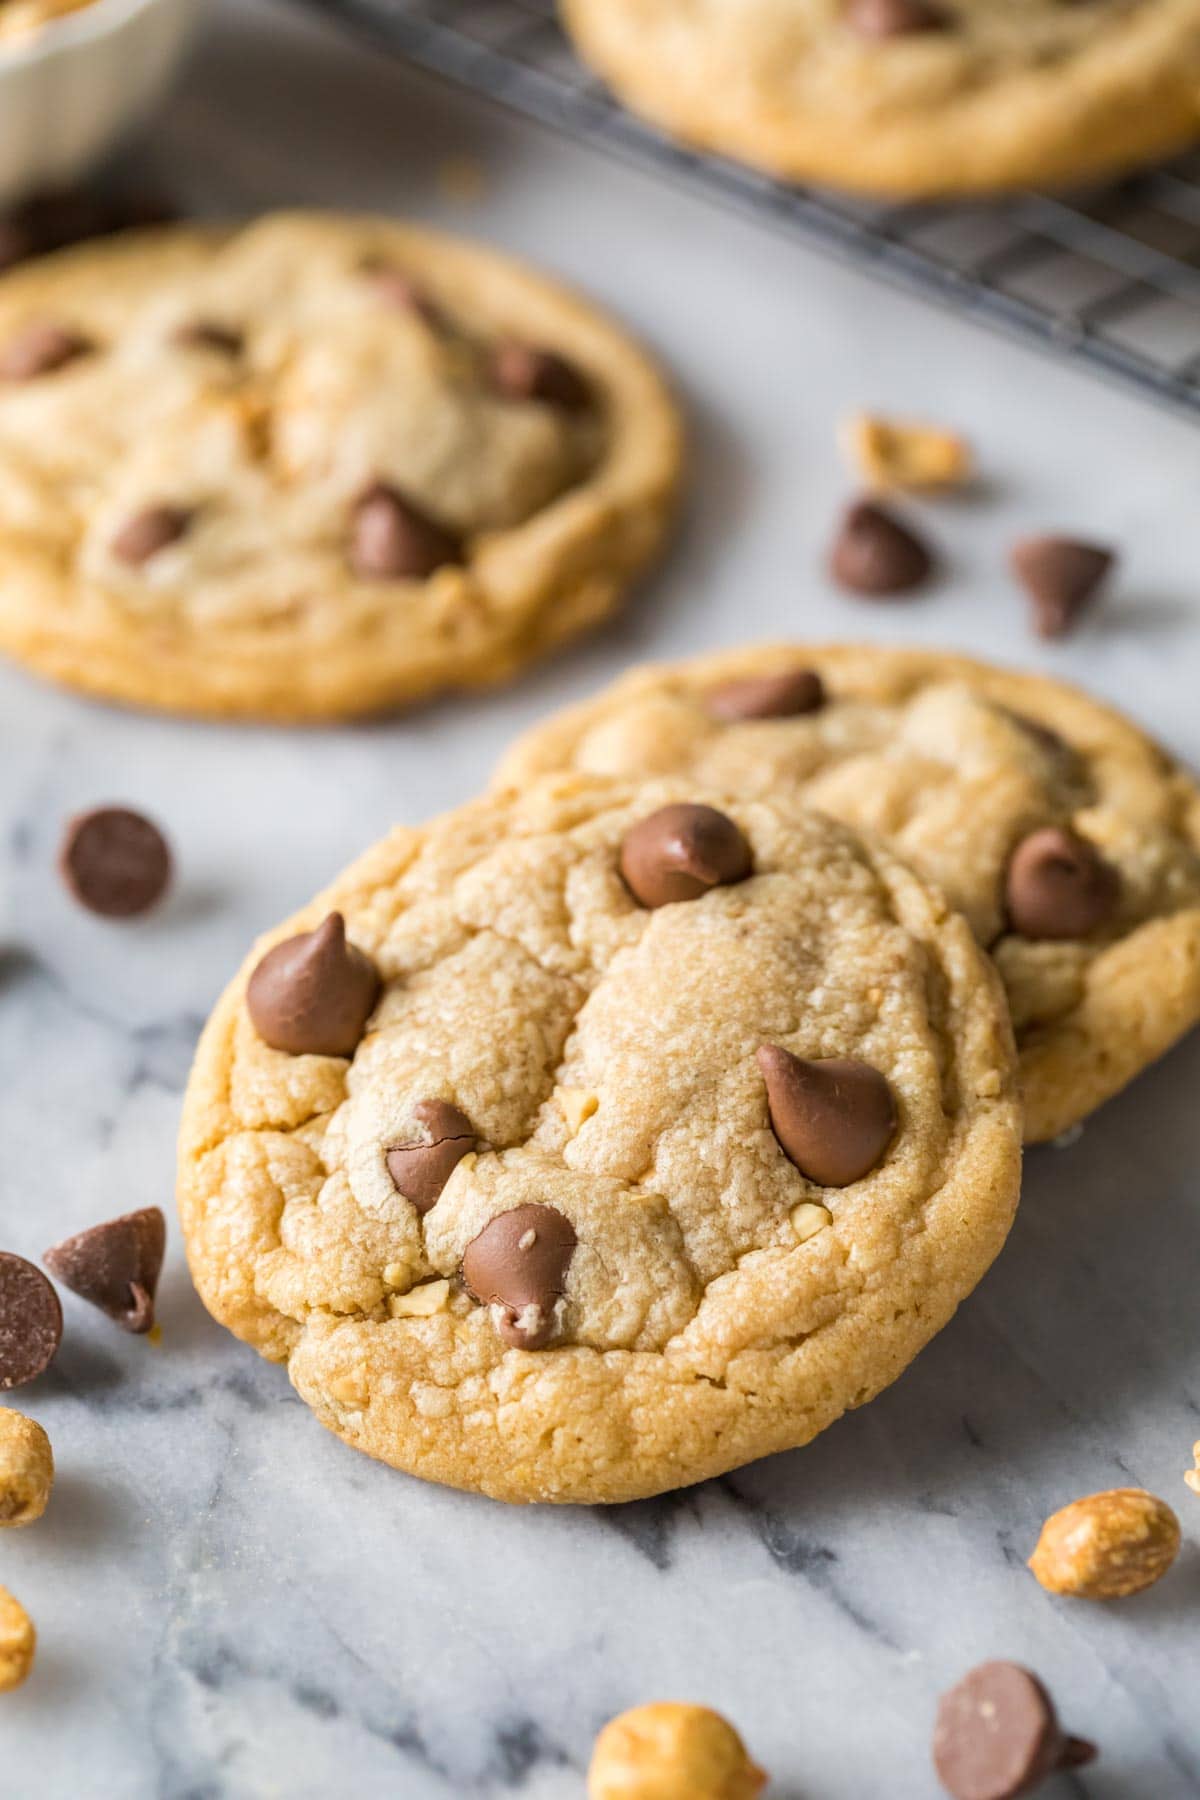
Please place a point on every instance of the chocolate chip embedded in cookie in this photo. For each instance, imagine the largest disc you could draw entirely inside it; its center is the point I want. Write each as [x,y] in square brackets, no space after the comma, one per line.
[997,1735]
[312,995]
[319,466]
[787,695]
[681,1123]
[1068,838]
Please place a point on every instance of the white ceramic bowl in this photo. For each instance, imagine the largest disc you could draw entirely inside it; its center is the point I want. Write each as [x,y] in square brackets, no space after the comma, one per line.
[70,92]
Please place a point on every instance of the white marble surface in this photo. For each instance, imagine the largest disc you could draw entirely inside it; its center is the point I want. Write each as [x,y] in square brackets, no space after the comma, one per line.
[233,1604]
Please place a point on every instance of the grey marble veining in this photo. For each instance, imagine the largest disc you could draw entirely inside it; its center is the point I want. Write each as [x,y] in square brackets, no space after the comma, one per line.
[231,1604]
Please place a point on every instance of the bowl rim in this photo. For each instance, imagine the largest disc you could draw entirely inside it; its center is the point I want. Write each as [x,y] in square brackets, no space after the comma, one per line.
[59,36]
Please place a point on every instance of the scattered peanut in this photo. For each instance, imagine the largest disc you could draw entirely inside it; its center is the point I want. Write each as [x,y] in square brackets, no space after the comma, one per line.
[890,453]
[26,1469]
[671,1751]
[17,1642]
[1107,1545]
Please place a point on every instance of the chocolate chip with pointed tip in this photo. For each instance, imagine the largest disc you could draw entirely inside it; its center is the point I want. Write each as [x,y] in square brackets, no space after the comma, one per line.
[420,1168]
[518,1264]
[881,19]
[1058,886]
[875,555]
[393,540]
[785,696]
[1061,576]
[997,1735]
[42,348]
[834,1118]
[147,532]
[209,334]
[30,1321]
[115,862]
[682,851]
[115,1266]
[523,372]
[313,994]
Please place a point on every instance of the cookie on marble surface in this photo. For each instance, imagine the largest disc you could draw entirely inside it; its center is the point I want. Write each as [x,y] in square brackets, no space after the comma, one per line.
[591,1141]
[317,467]
[907,97]
[1069,839]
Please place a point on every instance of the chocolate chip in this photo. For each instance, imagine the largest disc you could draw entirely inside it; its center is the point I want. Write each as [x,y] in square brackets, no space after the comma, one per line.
[148,532]
[784,696]
[115,1266]
[522,372]
[398,289]
[40,349]
[997,1735]
[115,862]
[420,1168]
[1059,886]
[393,540]
[1061,576]
[313,994]
[30,1321]
[875,554]
[680,852]
[833,1118]
[519,1264]
[893,18]
[209,334]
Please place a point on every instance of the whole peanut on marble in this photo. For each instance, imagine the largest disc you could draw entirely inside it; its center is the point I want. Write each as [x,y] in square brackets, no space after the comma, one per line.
[26,1469]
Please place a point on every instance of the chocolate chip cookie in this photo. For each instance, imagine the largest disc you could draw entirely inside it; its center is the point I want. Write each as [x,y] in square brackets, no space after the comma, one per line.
[908,97]
[591,1141]
[313,468]
[1067,837]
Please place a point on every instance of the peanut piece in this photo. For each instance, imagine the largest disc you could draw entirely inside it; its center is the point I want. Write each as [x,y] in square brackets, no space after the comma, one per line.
[891,453]
[1193,1475]
[18,1641]
[420,1302]
[808,1218]
[576,1106]
[671,1751]
[1107,1545]
[26,1469]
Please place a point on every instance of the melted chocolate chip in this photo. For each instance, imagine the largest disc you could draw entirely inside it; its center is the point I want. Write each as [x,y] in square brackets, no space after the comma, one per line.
[784,696]
[115,1266]
[1061,577]
[153,529]
[313,994]
[519,1264]
[834,1118]
[40,349]
[523,372]
[210,334]
[874,554]
[1058,886]
[894,18]
[30,1321]
[680,852]
[421,1168]
[393,540]
[115,862]
[997,1735]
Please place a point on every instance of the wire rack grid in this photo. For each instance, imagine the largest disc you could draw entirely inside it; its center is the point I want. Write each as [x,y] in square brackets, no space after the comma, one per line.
[1110,278]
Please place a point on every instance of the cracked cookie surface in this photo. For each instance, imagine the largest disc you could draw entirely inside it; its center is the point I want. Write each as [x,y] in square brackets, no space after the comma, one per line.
[315,467]
[963,768]
[546,1232]
[906,96]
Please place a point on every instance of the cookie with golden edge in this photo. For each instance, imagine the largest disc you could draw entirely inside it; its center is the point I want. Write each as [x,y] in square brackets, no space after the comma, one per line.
[314,467]
[907,97]
[591,1141]
[1070,840]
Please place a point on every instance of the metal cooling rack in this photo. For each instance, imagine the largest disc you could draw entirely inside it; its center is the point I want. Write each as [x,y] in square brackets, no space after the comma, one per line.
[1110,278]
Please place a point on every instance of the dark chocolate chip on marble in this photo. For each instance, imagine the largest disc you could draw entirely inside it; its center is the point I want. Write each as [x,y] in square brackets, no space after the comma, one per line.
[391,539]
[115,1266]
[1058,886]
[1061,576]
[834,1118]
[115,861]
[313,994]
[681,852]
[420,1168]
[145,533]
[521,371]
[41,348]
[785,696]
[30,1321]
[519,1264]
[997,1735]
[875,555]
